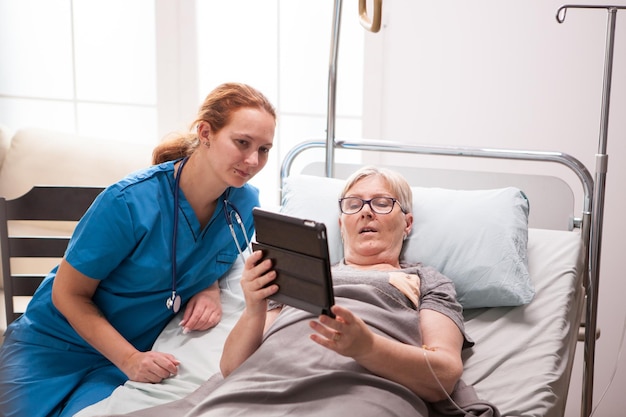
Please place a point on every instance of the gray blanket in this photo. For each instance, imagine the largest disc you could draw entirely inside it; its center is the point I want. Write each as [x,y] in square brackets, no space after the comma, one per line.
[291,375]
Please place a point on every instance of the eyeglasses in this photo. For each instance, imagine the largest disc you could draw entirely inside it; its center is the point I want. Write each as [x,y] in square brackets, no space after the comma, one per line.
[379,205]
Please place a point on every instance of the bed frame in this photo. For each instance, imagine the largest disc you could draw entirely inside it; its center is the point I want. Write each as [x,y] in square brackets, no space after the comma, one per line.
[562,219]
[591,219]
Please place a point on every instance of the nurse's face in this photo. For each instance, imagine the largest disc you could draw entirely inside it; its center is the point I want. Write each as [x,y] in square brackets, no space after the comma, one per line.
[241,148]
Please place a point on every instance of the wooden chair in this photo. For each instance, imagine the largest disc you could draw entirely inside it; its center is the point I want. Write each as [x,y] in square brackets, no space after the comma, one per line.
[34,230]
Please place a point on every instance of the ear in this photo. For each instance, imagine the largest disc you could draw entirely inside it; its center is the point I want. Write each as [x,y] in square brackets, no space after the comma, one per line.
[204,130]
[409,223]
[340,228]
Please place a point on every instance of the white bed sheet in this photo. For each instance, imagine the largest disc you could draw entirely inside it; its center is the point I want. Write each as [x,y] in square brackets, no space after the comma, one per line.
[521,362]
[523,356]
[198,352]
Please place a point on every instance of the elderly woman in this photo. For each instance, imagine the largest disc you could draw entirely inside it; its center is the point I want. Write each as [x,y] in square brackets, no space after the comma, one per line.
[393,348]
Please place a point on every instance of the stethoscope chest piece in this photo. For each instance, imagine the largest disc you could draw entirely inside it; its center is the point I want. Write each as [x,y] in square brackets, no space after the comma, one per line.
[173,302]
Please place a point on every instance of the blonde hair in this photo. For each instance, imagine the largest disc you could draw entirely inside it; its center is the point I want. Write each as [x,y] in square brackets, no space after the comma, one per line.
[216,110]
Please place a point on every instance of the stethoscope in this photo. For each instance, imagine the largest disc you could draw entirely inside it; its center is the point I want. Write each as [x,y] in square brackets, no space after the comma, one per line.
[232,215]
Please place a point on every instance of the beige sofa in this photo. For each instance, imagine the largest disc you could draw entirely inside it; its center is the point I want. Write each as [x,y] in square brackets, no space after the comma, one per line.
[32,156]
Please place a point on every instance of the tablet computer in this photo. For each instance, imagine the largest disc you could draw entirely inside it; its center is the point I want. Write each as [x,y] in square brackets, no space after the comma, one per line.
[298,249]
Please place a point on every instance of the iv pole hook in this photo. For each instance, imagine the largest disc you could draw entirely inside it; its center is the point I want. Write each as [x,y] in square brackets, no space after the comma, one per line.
[562,11]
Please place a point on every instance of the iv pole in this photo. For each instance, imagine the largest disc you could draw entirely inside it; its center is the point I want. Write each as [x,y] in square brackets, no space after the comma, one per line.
[598,207]
[373,25]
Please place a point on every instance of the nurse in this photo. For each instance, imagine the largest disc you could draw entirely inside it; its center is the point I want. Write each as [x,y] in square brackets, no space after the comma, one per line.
[156,241]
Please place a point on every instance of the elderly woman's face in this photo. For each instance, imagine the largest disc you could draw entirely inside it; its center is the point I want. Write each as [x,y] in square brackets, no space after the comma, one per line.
[371,238]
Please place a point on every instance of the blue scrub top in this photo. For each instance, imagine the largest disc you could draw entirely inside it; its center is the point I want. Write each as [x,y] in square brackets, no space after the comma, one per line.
[125,241]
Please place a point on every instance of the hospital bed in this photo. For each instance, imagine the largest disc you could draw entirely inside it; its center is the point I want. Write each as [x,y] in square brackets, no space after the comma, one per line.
[523,312]
[523,251]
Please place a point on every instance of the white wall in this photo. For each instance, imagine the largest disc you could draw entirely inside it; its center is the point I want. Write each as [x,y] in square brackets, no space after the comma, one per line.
[505,74]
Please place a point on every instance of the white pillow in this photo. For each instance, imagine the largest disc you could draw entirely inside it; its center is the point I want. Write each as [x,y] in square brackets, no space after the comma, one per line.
[476,238]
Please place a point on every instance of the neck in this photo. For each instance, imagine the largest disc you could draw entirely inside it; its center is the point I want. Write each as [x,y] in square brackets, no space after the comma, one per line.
[382,266]
[200,190]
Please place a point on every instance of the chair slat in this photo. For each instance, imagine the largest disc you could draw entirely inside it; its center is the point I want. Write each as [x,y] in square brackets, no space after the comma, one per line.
[31,247]
[26,285]
[47,203]
[52,203]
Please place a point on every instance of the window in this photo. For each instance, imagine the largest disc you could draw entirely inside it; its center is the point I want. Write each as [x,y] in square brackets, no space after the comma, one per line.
[85,67]
[134,71]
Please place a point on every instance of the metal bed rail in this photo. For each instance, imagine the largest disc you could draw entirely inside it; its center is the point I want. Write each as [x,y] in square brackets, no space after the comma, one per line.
[569,161]
[573,164]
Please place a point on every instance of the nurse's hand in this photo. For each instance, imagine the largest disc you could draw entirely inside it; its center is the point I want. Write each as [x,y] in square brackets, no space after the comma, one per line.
[203,311]
[151,366]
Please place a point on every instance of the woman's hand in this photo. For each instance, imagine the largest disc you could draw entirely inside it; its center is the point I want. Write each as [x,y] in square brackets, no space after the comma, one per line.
[256,282]
[412,366]
[151,366]
[346,334]
[203,311]
[245,337]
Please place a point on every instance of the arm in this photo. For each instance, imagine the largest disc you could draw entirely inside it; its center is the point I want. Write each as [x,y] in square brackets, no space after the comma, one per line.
[72,294]
[246,336]
[396,361]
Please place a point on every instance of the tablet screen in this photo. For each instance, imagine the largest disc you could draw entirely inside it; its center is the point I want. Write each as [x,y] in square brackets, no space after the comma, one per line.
[298,249]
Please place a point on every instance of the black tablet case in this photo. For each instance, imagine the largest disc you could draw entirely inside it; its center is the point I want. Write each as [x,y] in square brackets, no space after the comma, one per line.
[299,252]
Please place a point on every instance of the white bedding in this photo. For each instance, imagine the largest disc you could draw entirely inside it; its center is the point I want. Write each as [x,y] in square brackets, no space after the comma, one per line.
[523,355]
[198,352]
[521,361]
